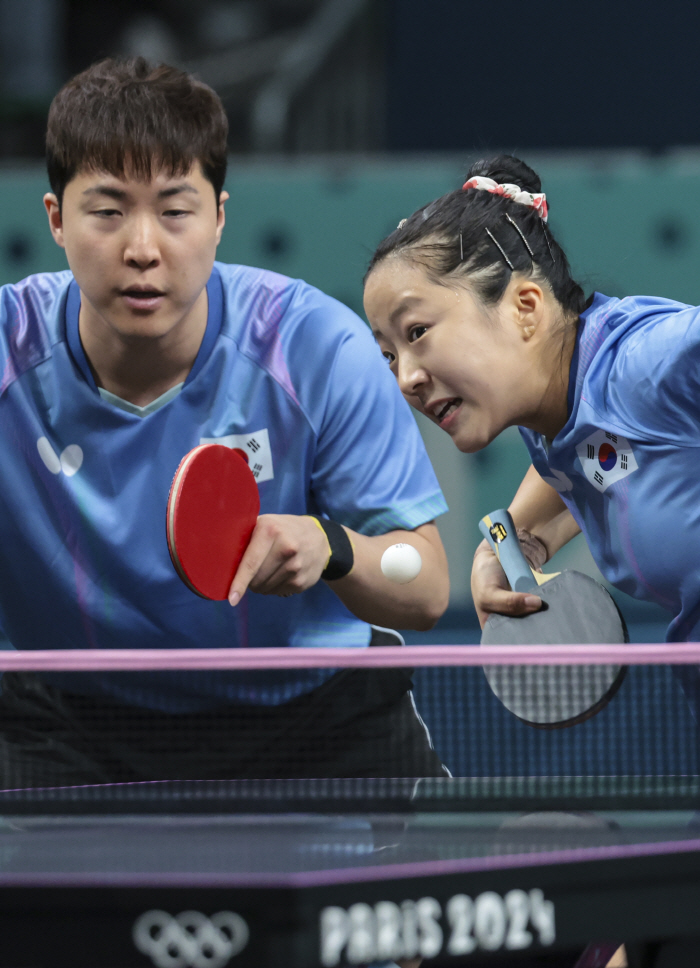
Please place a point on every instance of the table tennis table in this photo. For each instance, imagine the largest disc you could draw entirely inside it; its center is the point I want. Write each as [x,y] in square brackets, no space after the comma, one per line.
[328,874]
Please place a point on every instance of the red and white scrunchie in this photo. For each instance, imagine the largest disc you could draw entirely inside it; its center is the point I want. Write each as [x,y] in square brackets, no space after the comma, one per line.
[537,201]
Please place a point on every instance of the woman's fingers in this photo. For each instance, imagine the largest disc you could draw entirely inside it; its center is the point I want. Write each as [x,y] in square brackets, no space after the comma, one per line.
[491,591]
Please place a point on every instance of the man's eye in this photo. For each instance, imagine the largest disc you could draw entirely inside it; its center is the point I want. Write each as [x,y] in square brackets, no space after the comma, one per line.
[416,332]
[107,212]
[176,212]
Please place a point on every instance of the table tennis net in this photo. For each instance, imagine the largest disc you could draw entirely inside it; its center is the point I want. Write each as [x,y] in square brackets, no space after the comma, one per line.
[206,730]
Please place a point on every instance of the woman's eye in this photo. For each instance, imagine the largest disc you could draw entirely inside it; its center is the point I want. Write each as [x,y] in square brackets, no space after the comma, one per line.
[389,357]
[416,332]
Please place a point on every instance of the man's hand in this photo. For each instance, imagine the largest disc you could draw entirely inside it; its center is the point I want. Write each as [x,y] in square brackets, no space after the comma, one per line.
[491,591]
[286,555]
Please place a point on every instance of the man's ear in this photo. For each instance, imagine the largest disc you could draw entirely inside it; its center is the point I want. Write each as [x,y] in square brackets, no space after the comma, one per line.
[53,210]
[221,216]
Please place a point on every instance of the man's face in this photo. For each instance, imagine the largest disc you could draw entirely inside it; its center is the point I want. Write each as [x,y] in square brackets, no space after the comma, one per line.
[141,251]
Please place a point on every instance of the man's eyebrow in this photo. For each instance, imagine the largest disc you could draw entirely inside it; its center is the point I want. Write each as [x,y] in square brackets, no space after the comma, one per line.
[118,193]
[176,189]
[110,192]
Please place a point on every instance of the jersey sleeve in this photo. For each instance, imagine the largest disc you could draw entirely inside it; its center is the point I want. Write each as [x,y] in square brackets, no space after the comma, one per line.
[654,381]
[370,468]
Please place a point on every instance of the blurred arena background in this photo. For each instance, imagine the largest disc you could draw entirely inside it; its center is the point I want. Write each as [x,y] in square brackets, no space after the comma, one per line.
[347,115]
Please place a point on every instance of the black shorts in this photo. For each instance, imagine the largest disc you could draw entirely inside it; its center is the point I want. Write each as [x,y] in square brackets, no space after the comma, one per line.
[360,723]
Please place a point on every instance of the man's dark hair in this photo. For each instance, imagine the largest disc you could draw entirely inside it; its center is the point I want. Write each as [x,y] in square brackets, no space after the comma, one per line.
[128,117]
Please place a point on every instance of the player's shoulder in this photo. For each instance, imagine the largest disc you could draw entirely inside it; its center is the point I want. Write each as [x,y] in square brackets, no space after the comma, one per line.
[624,334]
[40,296]
[31,316]
[645,352]
[651,331]
[629,316]
[270,302]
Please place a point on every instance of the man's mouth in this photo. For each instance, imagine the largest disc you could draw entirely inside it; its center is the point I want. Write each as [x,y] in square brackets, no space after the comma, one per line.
[137,292]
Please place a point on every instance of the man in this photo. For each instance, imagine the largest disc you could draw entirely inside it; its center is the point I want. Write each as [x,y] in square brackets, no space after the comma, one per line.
[111,373]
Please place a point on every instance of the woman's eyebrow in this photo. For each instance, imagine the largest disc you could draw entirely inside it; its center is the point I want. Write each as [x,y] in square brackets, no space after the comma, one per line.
[408,302]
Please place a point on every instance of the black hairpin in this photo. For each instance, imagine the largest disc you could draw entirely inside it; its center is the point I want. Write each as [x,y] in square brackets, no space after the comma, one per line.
[461,247]
[501,250]
[519,231]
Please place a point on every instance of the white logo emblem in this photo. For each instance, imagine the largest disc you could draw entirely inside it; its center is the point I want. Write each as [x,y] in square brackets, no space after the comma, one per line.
[190,940]
[69,462]
[255,448]
[606,458]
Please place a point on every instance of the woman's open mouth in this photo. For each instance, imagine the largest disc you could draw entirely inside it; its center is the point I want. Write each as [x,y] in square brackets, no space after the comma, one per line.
[449,408]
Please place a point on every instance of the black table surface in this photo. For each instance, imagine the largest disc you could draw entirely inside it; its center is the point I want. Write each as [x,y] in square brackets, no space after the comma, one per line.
[331,889]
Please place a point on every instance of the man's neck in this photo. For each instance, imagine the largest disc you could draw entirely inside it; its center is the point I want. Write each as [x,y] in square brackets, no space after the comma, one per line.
[140,369]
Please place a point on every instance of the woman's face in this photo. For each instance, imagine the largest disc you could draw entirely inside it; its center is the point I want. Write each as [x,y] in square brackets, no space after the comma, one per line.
[470,369]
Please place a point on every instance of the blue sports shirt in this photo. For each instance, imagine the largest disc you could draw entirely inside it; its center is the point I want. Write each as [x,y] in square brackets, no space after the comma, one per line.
[285,373]
[627,462]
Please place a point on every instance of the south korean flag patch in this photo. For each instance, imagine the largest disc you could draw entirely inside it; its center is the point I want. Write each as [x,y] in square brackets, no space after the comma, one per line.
[254,448]
[606,458]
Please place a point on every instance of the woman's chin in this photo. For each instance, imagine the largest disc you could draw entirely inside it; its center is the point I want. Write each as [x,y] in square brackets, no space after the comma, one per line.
[470,446]
[470,443]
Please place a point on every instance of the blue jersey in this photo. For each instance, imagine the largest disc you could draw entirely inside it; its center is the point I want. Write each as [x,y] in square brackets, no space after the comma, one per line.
[285,373]
[627,462]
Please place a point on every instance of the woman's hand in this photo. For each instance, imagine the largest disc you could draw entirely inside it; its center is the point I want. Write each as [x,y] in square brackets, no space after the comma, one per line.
[491,591]
[544,526]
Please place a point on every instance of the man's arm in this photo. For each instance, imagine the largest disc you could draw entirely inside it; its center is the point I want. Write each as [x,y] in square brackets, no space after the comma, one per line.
[375,599]
[288,553]
[544,526]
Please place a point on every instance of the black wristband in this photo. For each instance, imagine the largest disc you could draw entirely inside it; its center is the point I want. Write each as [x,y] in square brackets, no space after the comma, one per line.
[342,557]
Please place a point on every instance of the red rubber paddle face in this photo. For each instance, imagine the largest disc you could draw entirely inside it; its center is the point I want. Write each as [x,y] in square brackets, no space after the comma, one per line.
[212,510]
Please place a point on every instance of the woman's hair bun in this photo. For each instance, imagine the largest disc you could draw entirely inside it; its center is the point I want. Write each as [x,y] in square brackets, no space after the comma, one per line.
[505,169]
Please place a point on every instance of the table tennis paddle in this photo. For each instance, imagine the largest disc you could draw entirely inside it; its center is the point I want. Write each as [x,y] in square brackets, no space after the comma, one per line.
[576,609]
[212,509]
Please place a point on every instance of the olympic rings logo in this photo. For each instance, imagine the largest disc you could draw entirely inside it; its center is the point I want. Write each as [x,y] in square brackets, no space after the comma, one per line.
[190,939]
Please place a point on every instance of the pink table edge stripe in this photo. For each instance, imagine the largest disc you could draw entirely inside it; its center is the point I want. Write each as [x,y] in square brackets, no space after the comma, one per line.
[378,657]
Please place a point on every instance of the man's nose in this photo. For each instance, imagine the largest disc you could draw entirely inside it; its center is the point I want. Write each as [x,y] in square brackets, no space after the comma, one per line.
[142,249]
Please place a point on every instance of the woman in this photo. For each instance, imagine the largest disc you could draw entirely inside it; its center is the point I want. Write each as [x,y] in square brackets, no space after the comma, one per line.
[473,305]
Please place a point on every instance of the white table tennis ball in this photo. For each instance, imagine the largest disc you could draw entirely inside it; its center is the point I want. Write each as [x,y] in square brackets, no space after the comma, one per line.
[401,563]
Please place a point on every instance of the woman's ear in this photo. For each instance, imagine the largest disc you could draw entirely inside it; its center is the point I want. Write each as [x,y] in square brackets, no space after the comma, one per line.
[527,304]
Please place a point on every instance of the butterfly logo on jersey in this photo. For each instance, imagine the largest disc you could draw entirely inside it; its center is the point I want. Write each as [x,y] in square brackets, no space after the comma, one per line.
[68,462]
[253,447]
[606,458]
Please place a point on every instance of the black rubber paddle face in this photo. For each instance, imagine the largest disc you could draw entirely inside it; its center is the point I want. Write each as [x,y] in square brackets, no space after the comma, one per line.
[578,610]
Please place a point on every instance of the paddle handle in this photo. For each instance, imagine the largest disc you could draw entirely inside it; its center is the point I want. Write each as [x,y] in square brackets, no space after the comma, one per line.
[499,530]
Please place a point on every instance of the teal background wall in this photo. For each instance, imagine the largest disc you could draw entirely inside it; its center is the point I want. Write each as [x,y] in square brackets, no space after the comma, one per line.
[630,224]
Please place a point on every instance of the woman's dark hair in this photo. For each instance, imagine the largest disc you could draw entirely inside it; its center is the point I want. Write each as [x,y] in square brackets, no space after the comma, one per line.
[486,237]
[120,116]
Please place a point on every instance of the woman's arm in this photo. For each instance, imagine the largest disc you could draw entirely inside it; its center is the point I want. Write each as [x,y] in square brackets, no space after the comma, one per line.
[537,508]
[544,526]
